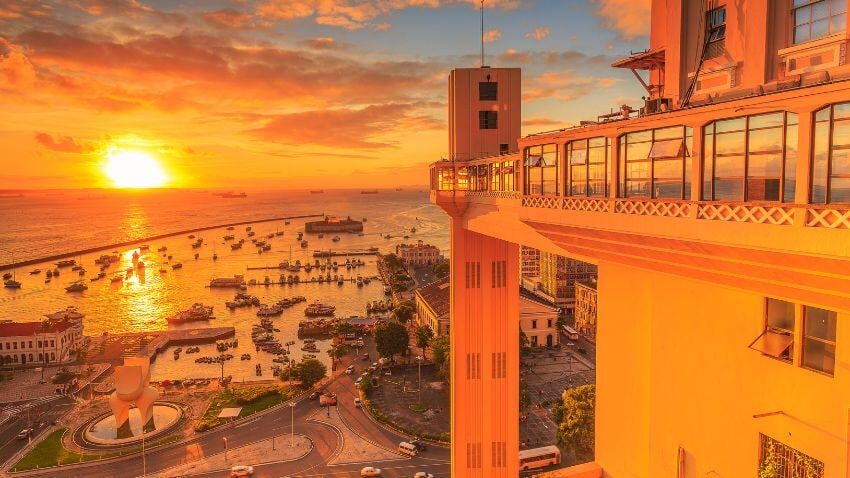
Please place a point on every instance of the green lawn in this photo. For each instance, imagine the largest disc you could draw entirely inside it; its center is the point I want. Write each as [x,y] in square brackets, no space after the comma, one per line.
[50,452]
[227,399]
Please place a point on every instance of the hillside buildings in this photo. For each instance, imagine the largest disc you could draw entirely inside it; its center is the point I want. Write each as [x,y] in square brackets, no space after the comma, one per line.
[54,340]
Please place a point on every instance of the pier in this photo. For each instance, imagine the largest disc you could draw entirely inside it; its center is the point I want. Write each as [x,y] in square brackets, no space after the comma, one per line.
[106,247]
[113,348]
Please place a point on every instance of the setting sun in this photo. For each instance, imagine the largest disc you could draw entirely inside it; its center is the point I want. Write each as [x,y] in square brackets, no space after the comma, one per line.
[133,169]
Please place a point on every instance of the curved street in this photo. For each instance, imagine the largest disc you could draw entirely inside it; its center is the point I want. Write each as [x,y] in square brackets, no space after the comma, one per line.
[328,443]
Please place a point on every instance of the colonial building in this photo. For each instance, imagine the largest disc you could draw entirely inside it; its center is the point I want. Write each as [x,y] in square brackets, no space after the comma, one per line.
[718,215]
[55,340]
[432,306]
[418,254]
[585,313]
[539,323]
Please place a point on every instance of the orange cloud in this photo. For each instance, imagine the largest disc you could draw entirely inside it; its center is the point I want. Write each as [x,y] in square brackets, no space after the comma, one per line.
[492,35]
[227,18]
[345,127]
[324,43]
[538,33]
[564,86]
[541,121]
[62,144]
[630,18]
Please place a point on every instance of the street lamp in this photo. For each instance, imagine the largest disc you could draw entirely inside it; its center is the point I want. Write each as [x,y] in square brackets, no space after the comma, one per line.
[224,439]
[419,387]
[292,425]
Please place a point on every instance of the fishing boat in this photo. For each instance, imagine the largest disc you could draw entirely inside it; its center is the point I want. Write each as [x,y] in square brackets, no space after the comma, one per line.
[11,284]
[234,281]
[237,245]
[176,266]
[76,287]
[195,313]
[35,272]
[229,237]
[335,239]
[317,309]
[66,263]
[269,310]
[162,249]
[303,244]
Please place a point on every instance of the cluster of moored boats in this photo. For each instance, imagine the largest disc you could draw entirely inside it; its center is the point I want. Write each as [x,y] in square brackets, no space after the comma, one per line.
[278,307]
[195,313]
[378,306]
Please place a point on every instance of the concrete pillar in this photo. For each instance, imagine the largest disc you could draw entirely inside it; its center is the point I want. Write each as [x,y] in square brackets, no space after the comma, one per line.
[484,355]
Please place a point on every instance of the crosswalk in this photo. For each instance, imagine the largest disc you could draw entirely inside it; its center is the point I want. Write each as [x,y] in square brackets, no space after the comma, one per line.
[11,411]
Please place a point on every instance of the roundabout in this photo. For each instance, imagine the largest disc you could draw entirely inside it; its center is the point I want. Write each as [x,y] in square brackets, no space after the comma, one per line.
[101,431]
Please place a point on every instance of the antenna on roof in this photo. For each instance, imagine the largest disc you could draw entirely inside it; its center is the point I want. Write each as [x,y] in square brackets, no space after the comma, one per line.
[482,33]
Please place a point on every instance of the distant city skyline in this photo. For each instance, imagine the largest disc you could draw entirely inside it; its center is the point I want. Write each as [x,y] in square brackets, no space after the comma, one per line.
[290,94]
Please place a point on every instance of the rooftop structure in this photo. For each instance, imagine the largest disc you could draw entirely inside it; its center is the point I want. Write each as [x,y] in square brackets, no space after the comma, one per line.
[419,254]
[718,215]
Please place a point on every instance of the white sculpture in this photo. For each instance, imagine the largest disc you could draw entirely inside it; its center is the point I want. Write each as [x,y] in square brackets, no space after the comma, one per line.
[132,385]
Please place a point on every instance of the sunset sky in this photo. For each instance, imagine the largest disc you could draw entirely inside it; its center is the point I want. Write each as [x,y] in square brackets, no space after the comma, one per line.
[298,94]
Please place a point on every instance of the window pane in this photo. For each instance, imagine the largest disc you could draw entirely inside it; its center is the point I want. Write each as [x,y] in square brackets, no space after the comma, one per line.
[790,163]
[838,23]
[820,28]
[839,6]
[549,176]
[821,156]
[763,189]
[639,136]
[637,151]
[729,143]
[766,121]
[669,133]
[637,188]
[802,15]
[839,111]
[596,155]
[596,171]
[819,356]
[707,166]
[668,169]
[841,133]
[841,161]
[578,156]
[734,124]
[839,191]
[729,189]
[596,188]
[780,314]
[766,140]
[597,142]
[666,149]
[668,189]
[638,170]
[820,10]
[820,323]
[535,176]
[727,166]
[765,165]
[801,34]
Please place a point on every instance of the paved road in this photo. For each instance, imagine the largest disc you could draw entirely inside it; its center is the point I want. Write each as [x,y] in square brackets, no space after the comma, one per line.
[325,440]
[38,417]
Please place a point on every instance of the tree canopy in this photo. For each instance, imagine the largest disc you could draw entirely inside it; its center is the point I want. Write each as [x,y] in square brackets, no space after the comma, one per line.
[311,371]
[575,418]
[424,334]
[391,338]
[404,312]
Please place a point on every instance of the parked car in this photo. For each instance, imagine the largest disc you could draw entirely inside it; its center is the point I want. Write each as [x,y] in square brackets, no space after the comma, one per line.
[357,402]
[24,434]
[419,444]
[365,356]
[370,471]
[314,395]
[349,370]
[241,470]
[422,474]
[359,379]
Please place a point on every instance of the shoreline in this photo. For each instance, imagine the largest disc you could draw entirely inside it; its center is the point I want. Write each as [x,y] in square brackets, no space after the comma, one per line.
[89,250]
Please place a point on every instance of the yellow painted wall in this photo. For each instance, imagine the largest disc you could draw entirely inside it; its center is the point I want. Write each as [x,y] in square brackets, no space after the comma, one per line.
[675,370]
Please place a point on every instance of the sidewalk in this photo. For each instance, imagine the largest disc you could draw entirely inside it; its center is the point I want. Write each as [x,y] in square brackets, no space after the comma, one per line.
[353,448]
[273,450]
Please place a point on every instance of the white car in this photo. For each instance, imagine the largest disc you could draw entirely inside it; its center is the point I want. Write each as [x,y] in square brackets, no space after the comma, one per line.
[357,402]
[241,470]
[422,474]
[370,471]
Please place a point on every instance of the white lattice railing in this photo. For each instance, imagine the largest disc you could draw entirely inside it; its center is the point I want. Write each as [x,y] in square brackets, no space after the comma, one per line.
[547,202]
[587,204]
[831,218]
[749,213]
[494,194]
[652,208]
